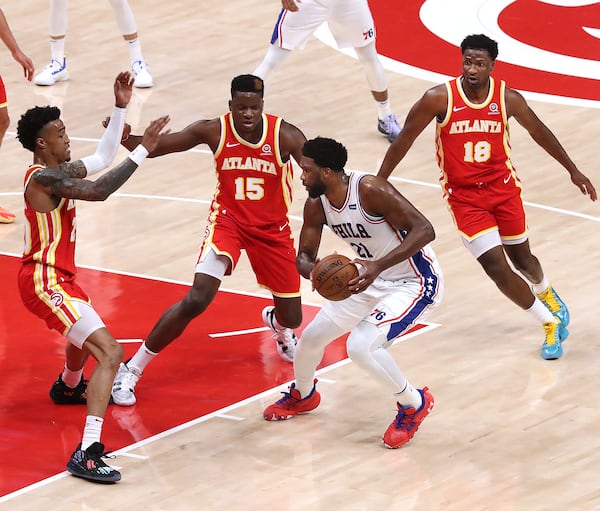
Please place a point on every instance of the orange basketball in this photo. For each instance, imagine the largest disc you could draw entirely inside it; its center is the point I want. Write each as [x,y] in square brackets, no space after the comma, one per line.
[331,276]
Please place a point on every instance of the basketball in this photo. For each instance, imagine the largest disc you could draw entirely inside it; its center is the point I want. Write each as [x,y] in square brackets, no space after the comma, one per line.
[331,276]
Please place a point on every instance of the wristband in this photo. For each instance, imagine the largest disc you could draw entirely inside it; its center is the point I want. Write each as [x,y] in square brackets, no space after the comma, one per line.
[138,155]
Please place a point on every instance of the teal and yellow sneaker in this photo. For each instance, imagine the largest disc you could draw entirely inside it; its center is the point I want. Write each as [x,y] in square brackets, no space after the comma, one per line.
[555,305]
[556,334]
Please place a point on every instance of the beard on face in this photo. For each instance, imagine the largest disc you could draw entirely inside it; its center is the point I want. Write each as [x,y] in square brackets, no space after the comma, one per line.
[316,190]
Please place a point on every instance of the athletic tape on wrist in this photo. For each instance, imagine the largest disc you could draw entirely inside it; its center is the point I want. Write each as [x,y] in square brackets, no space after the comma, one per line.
[138,155]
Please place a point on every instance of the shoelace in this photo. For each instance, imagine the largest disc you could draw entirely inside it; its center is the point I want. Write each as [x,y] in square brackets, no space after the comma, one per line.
[550,299]
[405,421]
[550,334]
[287,399]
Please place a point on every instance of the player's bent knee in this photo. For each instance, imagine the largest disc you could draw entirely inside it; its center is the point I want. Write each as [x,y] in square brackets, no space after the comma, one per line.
[114,355]
[195,303]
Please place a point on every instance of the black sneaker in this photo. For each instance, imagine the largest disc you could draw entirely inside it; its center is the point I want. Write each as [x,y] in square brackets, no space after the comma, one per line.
[88,465]
[63,395]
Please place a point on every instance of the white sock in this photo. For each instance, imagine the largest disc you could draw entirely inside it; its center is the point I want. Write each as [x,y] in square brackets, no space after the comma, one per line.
[71,378]
[540,287]
[541,312]
[57,49]
[135,50]
[410,397]
[92,431]
[383,108]
[276,324]
[141,359]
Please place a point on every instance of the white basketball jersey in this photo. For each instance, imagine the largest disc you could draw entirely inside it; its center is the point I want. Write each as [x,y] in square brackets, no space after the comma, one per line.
[372,237]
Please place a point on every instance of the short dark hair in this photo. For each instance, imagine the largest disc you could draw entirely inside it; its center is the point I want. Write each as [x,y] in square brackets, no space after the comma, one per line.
[480,42]
[326,152]
[247,83]
[31,123]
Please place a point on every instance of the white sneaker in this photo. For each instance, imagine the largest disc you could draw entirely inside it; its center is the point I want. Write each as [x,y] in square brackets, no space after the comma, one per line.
[123,389]
[286,338]
[389,127]
[141,75]
[52,73]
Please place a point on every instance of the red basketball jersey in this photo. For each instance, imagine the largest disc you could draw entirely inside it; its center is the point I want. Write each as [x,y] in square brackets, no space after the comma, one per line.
[50,236]
[254,185]
[472,141]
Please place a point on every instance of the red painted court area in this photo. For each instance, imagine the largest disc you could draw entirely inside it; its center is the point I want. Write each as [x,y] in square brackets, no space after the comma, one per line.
[196,375]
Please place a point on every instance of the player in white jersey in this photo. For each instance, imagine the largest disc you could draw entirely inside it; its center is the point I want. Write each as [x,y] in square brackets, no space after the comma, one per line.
[352,26]
[399,282]
[56,71]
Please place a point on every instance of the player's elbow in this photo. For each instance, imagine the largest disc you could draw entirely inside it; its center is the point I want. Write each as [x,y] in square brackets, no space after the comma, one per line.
[428,232]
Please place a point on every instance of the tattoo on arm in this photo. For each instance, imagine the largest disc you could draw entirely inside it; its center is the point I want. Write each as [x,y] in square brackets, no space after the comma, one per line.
[84,189]
[74,169]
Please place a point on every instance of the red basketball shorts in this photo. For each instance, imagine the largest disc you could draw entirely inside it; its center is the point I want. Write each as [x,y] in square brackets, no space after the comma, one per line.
[478,209]
[270,250]
[52,303]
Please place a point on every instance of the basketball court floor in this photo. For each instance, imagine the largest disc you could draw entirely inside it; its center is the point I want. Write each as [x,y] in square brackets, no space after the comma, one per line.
[509,431]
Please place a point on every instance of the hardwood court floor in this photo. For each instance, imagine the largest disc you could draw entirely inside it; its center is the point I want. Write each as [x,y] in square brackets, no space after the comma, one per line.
[509,431]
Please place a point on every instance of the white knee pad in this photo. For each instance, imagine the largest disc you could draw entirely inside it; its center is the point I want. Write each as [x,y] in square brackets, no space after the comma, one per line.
[125,18]
[57,17]
[367,55]
[364,339]
[366,346]
[273,59]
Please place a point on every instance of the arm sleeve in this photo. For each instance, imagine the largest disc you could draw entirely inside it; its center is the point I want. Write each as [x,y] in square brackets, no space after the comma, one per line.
[108,145]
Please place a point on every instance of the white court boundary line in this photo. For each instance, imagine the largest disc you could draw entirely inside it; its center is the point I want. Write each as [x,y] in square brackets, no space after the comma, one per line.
[426,184]
[222,413]
[566,212]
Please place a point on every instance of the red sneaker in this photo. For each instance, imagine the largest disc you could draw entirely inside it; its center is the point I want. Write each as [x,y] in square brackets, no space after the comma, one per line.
[292,404]
[6,217]
[407,421]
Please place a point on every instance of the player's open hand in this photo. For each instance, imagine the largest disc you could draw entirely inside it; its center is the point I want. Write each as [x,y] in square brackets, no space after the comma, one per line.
[26,63]
[123,88]
[584,184]
[154,131]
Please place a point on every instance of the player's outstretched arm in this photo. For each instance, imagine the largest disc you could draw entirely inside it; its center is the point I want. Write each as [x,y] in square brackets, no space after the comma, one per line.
[518,108]
[10,42]
[431,105]
[60,185]
[109,143]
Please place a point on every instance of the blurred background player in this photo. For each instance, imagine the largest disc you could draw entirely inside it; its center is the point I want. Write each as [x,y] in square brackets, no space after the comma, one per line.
[352,26]
[6,217]
[56,71]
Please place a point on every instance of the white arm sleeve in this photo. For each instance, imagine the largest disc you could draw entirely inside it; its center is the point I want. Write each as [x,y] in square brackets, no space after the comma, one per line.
[108,145]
